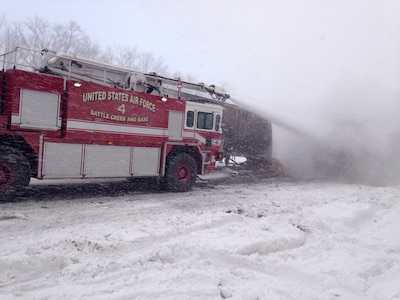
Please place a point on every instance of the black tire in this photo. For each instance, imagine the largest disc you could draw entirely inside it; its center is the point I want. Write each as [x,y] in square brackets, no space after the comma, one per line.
[15,172]
[181,173]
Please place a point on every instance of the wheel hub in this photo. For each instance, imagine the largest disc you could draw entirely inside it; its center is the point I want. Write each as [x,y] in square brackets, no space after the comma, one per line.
[182,174]
[6,176]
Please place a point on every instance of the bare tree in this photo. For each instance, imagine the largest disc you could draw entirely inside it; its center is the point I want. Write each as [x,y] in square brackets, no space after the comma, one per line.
[127,57]
[38,34]
[107,55]
[34,33]
[8,37]
[71,38]
[142,61]
[2,33]
[148,63]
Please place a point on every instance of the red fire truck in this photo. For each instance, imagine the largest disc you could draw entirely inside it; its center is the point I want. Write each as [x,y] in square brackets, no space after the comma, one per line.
[74,117]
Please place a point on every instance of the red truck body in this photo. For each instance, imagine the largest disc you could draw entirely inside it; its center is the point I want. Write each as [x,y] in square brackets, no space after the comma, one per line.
[58,127]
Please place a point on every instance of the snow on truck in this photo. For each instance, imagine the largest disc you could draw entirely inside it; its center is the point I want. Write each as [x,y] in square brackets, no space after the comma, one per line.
[78,118]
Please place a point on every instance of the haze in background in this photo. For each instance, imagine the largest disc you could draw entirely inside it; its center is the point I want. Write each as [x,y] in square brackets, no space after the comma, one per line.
[329,69]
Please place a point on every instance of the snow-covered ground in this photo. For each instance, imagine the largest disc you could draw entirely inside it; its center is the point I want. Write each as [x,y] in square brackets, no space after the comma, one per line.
[272,239]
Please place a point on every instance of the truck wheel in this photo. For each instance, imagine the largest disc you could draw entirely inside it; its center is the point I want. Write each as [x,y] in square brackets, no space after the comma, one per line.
[181,173]
[15,171]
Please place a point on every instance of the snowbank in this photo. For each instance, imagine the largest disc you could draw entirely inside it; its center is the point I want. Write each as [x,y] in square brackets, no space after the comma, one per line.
[269,240]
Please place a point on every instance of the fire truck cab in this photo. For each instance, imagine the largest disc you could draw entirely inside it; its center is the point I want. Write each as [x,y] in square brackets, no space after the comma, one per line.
[78,118]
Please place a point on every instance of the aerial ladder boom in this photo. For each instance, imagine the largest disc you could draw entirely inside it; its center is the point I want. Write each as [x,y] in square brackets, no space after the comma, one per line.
[84,69]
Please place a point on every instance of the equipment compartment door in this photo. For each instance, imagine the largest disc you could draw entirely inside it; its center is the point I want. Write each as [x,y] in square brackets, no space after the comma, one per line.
[39,110]
[107,161]
[146,161]
[175,122]
[62,160]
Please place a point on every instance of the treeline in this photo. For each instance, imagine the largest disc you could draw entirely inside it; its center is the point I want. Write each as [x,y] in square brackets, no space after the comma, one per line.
[38,34]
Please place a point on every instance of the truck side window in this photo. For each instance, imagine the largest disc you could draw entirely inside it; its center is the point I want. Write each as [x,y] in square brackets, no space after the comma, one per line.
[217,122]
[190,118]
[205,120]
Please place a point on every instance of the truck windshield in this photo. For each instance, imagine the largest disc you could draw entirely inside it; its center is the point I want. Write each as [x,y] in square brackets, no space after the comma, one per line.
[205,120]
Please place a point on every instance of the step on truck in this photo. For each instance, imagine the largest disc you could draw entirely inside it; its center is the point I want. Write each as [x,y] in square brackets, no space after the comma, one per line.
[74,117]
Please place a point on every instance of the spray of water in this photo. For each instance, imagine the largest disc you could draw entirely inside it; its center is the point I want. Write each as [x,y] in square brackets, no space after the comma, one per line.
[353,135]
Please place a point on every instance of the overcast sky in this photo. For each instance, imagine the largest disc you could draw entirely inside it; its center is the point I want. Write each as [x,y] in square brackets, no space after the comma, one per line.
[282,50]
[306,61]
